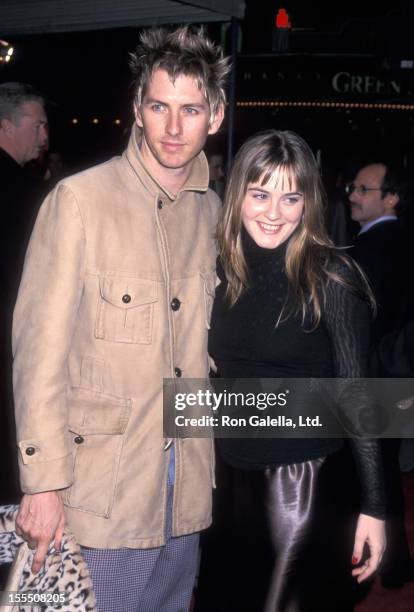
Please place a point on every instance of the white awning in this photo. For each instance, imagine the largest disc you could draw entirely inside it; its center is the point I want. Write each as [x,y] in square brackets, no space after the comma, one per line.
[44,16]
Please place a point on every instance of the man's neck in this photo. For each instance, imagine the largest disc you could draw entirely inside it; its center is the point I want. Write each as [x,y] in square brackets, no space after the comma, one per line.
[172,179]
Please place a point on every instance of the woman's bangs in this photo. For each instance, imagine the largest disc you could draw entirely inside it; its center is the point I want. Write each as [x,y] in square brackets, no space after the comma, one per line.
[281,176]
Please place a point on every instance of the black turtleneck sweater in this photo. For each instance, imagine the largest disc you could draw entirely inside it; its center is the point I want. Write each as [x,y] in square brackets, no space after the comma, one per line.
[245,342]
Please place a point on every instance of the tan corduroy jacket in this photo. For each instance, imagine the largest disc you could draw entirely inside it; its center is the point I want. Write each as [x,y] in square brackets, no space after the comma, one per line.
[116,295]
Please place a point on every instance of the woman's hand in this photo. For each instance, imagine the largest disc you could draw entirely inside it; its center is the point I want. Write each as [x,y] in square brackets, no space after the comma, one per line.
[371,531]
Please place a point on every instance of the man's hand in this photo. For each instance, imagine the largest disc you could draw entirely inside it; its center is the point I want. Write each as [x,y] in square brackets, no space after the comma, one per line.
[40,520]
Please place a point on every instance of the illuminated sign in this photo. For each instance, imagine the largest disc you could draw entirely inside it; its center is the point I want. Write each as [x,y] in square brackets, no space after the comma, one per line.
[335,78]
[345,82]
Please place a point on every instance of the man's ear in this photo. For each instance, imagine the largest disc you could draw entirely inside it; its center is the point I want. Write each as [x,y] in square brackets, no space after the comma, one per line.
[6,126]
[216,120]
[392,200]
[137,114]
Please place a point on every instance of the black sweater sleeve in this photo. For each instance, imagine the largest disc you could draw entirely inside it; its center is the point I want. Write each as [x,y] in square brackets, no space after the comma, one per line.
[348,320]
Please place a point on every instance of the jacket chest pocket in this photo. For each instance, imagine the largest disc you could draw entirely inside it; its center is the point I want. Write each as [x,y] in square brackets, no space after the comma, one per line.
[126,309]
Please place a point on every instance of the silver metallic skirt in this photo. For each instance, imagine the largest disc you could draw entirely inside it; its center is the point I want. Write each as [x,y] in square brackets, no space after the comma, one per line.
[274,544]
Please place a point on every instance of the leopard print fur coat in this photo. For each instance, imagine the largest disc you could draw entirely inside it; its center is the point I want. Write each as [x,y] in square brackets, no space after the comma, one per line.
[64,572]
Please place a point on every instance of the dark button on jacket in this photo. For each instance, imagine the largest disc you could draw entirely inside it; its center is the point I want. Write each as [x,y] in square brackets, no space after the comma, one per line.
[175,304]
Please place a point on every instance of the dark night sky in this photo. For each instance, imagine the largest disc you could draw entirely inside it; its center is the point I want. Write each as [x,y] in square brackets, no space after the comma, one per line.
[92,66]
[86,74]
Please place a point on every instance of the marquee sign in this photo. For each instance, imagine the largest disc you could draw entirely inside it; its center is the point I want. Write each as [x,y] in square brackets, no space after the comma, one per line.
[336,78]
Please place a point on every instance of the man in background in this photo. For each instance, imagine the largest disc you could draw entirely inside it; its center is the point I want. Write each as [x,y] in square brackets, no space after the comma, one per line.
[217,176]
[23,135]
[377,200]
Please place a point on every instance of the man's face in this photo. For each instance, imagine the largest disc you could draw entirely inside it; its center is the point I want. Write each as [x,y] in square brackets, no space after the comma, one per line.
[368,205]
[29,132]
[176,120]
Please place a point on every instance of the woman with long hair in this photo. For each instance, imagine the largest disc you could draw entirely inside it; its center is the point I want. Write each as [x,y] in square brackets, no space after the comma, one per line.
[289,304]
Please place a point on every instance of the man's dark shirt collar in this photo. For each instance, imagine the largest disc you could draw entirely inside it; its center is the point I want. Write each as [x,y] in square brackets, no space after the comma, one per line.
[9,168]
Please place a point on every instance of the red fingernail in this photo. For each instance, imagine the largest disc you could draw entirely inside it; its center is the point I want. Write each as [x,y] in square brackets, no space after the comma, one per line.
[354,560]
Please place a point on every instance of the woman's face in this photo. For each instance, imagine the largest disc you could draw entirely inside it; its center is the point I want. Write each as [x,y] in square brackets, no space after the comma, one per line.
[271,212]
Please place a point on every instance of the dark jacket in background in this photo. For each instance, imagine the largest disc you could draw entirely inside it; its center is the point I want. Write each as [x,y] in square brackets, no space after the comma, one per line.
[20,196]
[382,253]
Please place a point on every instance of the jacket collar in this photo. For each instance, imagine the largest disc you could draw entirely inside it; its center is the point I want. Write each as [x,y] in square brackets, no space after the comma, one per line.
[6,158]
[197,180]
[385,218]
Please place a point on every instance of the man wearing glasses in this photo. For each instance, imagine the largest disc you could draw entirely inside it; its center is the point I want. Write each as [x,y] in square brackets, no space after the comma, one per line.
[377,199]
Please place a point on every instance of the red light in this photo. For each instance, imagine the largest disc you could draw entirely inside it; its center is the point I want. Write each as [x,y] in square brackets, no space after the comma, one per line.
[282,19]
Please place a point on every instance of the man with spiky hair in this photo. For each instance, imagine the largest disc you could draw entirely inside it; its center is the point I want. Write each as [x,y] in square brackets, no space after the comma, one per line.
[115,296]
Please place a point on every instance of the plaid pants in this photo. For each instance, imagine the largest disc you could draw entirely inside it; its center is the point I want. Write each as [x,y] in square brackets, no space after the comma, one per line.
[146,580]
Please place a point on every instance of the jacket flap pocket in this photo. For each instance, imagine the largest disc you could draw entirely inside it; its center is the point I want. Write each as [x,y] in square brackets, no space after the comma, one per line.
[210,283]
[97,413]
[125,292]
